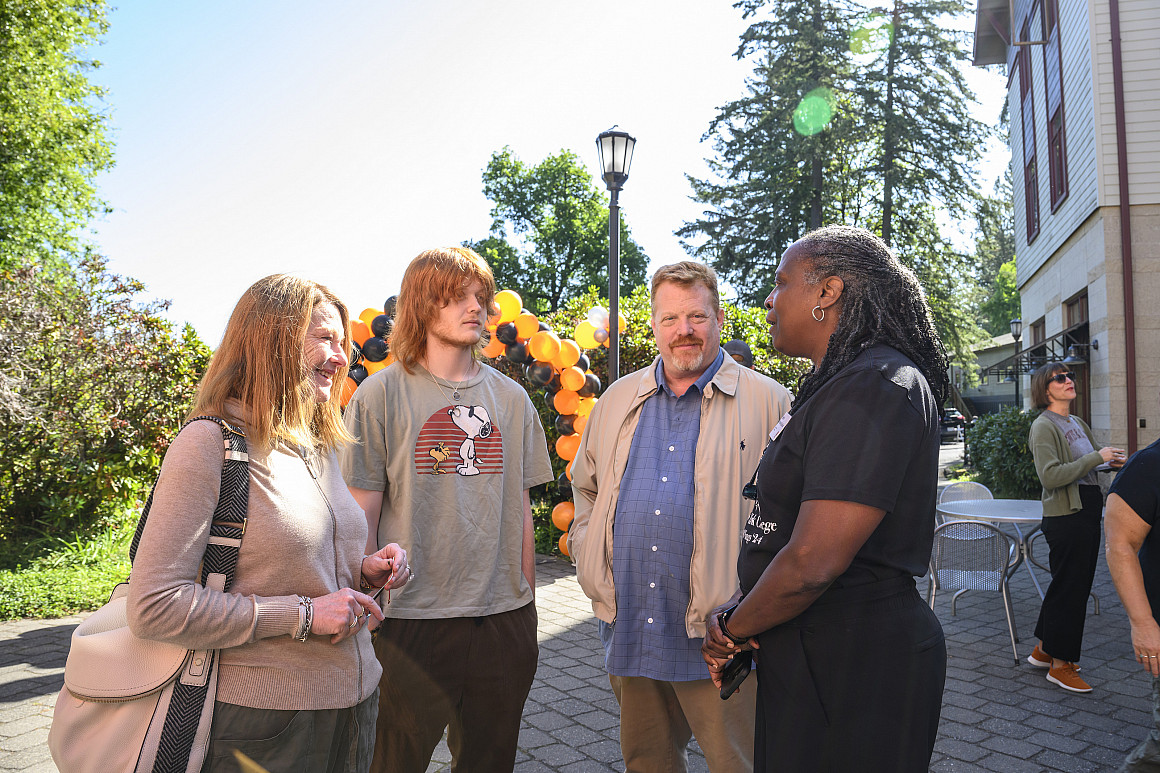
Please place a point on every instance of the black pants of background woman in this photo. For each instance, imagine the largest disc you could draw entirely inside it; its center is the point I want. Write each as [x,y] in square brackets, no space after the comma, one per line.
[854,683]
[1074,547]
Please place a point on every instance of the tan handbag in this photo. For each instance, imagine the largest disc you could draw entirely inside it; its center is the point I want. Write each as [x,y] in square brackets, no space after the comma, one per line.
[134,705]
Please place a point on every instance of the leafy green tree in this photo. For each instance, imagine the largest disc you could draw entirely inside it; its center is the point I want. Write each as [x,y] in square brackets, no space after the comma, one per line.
[995,259]
[93,384]
[52,132]
[549,233]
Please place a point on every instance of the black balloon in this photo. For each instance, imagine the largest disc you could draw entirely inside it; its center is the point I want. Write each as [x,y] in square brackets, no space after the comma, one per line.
[381,325]
[545,326]
[564,424]
[564,484]
[583,363]
[507,333]
[539,373]
[591,386]
[518,352]
[390,305]
[554,384]
[375,349]
[358,373]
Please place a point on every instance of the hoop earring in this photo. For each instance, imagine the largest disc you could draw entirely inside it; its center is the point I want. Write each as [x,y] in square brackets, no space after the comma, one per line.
[815,311]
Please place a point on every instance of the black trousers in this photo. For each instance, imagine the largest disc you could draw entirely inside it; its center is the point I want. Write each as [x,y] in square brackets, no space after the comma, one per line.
[1074,547]
[854,683]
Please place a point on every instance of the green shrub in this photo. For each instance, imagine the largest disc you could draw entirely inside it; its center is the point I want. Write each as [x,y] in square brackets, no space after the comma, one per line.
[997,444]
[93,385]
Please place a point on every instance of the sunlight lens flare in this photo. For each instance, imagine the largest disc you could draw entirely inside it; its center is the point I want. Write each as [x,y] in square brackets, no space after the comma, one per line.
[814,112]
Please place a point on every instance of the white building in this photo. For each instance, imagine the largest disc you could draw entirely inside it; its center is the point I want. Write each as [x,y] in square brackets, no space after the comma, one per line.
[1084,104]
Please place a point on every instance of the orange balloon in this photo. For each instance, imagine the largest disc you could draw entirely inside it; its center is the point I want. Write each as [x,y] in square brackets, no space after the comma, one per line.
[584,335]
[566,446]
[390,358]
[544,345]
[359,331]
[348,388]
[572,378]
[579,423]
[368,316]
[565,402]
[510,305]
[526,326]
[623,323]
[494,348]
[586,405]
[568,471]
[562,515]
[375,367]
[564,544]
[569,354]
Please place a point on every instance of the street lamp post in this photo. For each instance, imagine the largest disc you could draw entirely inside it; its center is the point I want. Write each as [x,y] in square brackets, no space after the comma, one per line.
[615,149]
[1017,333]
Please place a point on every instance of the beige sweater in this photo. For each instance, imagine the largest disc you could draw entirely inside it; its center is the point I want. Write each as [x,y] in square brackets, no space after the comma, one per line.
[305,535]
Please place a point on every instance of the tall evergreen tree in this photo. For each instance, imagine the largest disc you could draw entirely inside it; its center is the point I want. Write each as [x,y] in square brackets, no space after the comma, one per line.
[915,94]
[549,233]
[900,142]
[777,171]
[995,259]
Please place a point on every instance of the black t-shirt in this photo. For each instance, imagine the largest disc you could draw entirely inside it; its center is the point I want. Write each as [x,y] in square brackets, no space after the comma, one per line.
[869,435]
[1138,484]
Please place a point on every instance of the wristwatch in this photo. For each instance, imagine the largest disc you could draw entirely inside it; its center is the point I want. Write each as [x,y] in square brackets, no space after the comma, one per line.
[723,618]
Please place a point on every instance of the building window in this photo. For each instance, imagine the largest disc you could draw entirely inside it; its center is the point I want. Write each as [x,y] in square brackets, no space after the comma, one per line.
[1075,311]
[1053,84]
[1038,332]
[1027,114]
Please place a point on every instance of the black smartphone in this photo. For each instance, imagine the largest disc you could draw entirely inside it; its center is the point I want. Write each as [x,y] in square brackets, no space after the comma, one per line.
[735,672]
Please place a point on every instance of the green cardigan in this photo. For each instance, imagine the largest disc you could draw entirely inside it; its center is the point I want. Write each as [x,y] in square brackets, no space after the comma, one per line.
[1058,474]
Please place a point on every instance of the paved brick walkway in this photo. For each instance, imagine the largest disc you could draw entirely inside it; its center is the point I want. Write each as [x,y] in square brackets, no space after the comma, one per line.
[996,716]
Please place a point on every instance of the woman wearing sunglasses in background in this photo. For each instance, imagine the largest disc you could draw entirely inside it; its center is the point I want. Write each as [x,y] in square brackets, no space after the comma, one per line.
[1065,460]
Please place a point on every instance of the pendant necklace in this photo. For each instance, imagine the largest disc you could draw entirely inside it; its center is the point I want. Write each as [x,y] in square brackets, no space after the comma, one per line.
[454,389]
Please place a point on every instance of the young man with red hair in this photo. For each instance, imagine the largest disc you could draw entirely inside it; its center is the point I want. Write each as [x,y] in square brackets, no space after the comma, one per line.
[448,448]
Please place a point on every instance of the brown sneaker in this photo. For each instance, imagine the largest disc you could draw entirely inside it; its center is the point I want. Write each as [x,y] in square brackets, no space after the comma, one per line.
[1066,677]
[1039,658]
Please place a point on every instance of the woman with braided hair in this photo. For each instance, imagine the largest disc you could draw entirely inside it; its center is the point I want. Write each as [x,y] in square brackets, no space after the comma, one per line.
[852,661]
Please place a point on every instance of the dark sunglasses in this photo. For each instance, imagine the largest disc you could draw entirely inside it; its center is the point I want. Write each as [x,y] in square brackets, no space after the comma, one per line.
[1059,378]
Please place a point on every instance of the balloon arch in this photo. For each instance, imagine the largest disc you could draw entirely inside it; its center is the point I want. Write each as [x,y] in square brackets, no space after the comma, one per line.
[557,364]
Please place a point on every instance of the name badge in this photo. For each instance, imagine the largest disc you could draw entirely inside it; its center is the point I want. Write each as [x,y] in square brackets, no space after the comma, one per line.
[780,426]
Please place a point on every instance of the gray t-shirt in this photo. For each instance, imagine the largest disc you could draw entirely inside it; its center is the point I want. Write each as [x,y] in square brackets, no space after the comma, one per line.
[453,473]
[1077,441]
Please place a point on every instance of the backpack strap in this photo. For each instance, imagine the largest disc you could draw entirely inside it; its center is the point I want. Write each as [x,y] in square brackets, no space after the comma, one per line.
[229,517]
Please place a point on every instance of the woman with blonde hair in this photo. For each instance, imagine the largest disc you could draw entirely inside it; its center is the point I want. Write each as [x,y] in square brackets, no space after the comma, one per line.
[297,676]
[1065,460]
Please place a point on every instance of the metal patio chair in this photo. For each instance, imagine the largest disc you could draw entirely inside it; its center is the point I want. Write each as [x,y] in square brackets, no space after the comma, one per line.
[972,555]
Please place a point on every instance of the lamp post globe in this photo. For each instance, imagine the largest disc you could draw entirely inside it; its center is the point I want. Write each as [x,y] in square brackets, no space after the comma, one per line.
[615,148]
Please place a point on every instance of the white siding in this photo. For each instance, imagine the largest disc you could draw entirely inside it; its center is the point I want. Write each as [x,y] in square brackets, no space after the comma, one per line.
[1139,31]
[1079,138]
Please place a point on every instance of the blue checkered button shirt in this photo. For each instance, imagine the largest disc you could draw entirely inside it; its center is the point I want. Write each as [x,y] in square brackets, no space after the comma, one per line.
[652,543]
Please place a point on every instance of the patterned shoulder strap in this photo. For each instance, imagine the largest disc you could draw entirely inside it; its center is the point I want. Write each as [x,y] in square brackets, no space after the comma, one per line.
[229,517]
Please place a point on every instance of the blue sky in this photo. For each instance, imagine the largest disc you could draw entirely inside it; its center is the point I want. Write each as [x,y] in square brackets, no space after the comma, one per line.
[338,140]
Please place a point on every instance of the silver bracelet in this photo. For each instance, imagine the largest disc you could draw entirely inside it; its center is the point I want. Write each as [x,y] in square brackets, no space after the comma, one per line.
[305,618]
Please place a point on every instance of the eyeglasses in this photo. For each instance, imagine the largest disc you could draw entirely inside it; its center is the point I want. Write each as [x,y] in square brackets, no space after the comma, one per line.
[1060,378]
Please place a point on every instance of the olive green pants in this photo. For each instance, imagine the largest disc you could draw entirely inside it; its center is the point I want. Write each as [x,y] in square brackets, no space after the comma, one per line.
[322,741]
